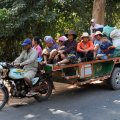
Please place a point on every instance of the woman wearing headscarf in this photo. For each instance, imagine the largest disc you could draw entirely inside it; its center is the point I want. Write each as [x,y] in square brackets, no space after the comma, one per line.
[50,51]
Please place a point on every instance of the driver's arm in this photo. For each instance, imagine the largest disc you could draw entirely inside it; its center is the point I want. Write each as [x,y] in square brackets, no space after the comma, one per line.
[20,58]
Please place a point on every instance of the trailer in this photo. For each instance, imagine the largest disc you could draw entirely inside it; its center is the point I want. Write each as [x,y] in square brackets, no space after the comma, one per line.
[86,72]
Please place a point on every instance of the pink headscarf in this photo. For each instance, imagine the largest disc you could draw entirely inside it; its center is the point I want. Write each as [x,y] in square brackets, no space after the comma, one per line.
[62,38]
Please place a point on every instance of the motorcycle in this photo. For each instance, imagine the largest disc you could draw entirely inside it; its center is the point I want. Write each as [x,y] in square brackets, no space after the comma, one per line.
[13,77]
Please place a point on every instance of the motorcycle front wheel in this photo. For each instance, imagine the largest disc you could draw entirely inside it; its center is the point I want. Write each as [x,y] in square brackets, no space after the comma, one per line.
[3,97]
[45,90]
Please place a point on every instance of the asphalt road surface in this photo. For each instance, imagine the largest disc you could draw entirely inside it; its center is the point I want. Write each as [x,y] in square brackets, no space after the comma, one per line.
[91,102]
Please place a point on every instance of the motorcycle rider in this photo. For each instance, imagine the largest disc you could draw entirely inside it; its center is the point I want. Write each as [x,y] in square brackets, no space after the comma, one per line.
[28,59]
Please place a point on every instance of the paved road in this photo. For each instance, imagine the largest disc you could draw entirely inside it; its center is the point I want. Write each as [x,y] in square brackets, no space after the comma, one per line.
[93,102]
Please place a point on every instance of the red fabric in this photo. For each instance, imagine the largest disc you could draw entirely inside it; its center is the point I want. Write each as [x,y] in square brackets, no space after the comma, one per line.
[85,46]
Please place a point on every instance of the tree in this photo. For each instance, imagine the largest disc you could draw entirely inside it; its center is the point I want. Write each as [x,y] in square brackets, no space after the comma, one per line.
[112,17]
[99,11]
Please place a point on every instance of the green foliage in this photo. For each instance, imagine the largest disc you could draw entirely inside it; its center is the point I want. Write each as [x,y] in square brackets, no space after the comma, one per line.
[113,13]
[26,18]
[29,17]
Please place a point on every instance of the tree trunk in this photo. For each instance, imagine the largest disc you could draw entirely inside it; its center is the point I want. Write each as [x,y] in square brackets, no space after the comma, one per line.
[99,11]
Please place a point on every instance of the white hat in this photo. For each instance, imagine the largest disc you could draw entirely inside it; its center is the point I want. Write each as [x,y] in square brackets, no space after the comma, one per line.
[85,34]
[98,33]
[92,20]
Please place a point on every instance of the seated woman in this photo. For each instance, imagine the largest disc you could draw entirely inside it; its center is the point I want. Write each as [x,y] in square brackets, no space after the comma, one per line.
[85,48]
[50,51]
[36,43]
[97,42]
[106,49]
[60,41]
[68,51]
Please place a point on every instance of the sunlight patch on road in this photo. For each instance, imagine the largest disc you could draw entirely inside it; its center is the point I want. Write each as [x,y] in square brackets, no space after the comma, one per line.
[65,115]
[96,82]
[18,104]
[116,101]
[29,116]
[110,111]
[71,86]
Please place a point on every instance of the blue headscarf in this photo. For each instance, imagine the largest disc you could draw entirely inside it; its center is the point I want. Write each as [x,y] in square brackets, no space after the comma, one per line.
[49,39]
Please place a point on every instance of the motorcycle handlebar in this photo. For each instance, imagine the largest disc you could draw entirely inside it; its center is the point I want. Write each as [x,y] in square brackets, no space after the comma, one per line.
[9,65]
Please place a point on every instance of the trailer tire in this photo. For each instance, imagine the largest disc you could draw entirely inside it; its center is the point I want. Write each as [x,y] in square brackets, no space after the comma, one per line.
[115,79]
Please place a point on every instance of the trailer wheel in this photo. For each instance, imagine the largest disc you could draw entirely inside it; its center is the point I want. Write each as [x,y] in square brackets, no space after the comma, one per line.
[115,79]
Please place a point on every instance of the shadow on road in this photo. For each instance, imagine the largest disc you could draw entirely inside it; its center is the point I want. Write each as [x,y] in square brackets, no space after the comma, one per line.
[68,102]
[63,91]
[66,90]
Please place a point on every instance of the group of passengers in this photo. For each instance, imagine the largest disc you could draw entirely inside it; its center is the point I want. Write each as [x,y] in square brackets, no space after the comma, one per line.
[66,50]
[69,51]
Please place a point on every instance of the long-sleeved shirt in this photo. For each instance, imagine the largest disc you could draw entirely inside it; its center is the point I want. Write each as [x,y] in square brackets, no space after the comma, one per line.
[104,48]
[85,46]
[97,43]
[39,50]
[54,46]
[70,46]
[28,59]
